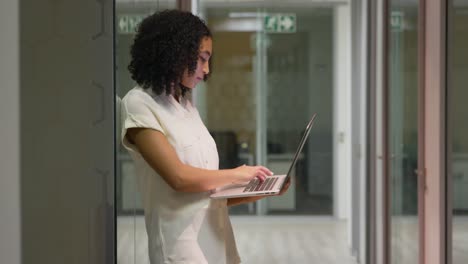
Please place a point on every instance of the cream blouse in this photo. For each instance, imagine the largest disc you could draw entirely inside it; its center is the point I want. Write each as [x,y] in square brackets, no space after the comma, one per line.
[181,227]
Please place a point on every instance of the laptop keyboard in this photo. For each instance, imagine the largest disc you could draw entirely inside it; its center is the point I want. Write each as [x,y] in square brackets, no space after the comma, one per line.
[255,185]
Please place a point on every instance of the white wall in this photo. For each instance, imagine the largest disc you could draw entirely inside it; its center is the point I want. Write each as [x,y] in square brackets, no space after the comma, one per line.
[342,111]
[358,219]
[362,137]
[10,235]
[56,113]
[379,151]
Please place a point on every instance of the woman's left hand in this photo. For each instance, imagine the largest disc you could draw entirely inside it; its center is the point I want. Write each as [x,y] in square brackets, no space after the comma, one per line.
[286,186]
[242,200]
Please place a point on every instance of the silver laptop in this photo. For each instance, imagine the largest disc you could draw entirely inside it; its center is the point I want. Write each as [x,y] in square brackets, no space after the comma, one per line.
[271,186]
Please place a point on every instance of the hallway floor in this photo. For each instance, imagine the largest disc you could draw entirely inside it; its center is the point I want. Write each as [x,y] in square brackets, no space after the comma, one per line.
[295,239]
[260,240]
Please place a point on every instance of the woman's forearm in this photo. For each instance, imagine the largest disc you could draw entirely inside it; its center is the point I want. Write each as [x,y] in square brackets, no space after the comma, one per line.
[243,200]
[161,156]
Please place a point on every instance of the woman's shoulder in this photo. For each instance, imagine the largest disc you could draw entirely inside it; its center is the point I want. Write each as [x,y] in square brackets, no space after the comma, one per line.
[139,100]
[136,93]
[139,95]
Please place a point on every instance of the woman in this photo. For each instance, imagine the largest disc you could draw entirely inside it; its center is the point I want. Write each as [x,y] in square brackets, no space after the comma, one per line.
[175,157]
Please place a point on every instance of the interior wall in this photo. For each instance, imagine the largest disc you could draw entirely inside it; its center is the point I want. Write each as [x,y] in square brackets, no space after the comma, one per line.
[342,117]
[9,130]
[458,78]
[67,101]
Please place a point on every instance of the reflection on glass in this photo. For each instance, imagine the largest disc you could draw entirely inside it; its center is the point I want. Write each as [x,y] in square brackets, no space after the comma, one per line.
[266,83]
[299,81]
[299,78]
[294,71]
[229,99]
[458,114]
[403,87]
[132,244]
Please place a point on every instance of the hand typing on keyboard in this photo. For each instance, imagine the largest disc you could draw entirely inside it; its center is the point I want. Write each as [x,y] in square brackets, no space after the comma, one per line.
[247,173]
[256,185]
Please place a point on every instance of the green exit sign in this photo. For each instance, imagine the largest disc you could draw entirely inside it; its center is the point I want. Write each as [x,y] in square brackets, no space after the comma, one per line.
[280,23]
[127,24]
[397,21]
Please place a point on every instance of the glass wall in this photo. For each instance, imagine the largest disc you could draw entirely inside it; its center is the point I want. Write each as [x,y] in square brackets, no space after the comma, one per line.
[227,102]
[458,133]
[274,65]
[402,130]
[264,88]
[299,82]
[132,243]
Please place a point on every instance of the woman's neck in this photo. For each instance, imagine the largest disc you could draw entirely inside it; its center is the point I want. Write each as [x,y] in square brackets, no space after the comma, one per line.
[177,95]
[179,92]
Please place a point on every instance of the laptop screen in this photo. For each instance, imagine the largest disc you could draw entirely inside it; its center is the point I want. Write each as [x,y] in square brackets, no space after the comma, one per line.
[302,143]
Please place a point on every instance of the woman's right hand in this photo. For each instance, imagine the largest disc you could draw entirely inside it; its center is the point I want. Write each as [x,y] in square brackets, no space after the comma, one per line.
[246,173]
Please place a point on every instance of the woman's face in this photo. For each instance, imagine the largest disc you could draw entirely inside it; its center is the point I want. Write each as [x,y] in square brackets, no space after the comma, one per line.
[190,81]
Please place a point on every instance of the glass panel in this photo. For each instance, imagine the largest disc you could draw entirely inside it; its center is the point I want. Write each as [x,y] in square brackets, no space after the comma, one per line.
[296,68]
[264,87]
[403,87]
[132,244]
[296,77]
[458,114]
[299,82]
[226,102]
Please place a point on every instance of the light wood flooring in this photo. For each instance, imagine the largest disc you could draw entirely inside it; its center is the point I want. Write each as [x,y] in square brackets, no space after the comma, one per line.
[271,239]
[295,239]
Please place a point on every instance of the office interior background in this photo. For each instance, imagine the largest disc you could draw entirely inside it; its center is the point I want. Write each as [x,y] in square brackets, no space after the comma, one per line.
[382,179]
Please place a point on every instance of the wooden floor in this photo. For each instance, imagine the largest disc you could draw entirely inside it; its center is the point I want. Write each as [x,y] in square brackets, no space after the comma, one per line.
[295,239]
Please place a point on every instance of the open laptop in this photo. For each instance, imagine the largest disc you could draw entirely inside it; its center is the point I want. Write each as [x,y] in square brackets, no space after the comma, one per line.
[271,186]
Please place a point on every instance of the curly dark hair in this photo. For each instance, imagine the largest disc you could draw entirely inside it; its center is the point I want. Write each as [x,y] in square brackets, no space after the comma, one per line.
[166,44]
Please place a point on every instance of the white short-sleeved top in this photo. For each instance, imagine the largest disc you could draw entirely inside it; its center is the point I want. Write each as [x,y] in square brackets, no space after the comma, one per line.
[181,227]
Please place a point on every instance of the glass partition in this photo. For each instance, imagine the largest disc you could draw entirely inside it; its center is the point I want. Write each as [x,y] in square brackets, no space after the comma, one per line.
[132,243]
[227,101]
[274,65]
[299,82]
[458,134]
[266,84]
[402,130]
